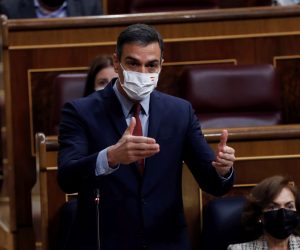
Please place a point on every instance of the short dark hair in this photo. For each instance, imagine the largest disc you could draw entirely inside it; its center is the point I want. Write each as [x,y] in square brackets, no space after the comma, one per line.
[142,34]
[261,196]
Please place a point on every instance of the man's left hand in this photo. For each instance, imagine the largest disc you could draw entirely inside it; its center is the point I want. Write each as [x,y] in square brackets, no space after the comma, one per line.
[224,156]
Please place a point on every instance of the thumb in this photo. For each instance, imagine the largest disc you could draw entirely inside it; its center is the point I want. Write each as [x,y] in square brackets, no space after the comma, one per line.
[131,127]
[223,139]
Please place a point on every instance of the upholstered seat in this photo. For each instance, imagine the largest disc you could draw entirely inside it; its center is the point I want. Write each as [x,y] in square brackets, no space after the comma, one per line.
[232,96]
[140,6]
[244,3]
[143,6]
[66,87]
[222,223]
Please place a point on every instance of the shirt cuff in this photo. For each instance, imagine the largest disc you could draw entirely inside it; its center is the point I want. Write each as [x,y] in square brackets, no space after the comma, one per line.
[228,175]
[102,167]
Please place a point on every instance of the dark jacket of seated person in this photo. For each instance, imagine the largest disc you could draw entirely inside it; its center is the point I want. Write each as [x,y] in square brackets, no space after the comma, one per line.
[17,9]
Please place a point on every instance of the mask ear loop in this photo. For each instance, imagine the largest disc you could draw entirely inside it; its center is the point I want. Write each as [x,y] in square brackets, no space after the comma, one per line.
[120,82]
[161,64]
[122,66]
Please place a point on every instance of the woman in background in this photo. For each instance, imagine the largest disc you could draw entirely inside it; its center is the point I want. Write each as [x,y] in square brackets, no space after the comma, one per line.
[100,74]
[272,210]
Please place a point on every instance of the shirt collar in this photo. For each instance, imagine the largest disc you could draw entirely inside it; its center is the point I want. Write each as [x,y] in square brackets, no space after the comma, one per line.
[127,104]
[43,13]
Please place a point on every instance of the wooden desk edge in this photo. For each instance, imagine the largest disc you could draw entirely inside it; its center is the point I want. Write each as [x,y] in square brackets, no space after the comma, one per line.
[155,17]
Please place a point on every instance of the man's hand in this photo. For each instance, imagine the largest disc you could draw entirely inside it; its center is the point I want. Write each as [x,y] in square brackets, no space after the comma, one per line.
[131,148]
[224,156]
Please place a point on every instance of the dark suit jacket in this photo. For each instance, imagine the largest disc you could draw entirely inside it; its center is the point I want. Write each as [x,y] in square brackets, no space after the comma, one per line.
[134,211]
[15,9]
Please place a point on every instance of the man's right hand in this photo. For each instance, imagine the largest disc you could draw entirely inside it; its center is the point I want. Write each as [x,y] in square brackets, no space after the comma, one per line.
[131,148]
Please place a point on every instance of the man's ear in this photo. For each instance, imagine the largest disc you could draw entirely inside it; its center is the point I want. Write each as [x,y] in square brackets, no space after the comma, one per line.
[116,62]
[161,62]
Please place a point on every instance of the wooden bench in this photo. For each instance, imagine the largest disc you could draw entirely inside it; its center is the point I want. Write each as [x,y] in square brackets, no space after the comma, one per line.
[260,151]
[51,197]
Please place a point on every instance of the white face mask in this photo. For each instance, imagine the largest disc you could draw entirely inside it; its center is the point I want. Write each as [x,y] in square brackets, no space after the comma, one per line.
[139,85]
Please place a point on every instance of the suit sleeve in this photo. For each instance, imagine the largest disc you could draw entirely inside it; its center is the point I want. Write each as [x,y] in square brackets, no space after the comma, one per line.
[92,8]
[198,156]
[4,10]
[75,163]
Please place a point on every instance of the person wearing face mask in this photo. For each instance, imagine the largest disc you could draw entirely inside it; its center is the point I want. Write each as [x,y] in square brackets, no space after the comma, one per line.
[124,148]
[100,73]
[286,2]
[49,8]
[272,212]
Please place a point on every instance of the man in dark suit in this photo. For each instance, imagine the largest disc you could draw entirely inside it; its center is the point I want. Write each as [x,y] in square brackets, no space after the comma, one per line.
[15,9]
[137,174]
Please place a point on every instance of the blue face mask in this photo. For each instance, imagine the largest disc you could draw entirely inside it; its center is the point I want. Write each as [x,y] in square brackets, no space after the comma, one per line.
[280,223]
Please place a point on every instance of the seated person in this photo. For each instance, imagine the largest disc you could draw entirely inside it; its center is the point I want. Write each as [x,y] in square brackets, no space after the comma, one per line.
[272,210]
[286,2]
[49,8]
[101,72]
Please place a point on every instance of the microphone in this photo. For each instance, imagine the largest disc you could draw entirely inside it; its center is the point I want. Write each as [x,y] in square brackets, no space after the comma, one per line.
[97,201]
[97,196]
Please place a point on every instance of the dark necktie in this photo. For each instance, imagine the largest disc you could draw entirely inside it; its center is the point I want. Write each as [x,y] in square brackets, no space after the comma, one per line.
[138,131]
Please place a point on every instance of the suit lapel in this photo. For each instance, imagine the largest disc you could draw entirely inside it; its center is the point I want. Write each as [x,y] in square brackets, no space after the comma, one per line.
[126,174]
[26,9]
[114,110]
[152,169]
[74,8]
[155,114]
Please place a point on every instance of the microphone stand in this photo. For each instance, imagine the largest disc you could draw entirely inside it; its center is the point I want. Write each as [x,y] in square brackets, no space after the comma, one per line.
[97,201]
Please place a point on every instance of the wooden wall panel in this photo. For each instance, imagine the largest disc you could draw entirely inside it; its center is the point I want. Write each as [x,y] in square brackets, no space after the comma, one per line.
[261,152]
[33,49]
[289,72]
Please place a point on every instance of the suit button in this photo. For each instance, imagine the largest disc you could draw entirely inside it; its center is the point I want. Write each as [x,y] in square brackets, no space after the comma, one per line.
[143,201]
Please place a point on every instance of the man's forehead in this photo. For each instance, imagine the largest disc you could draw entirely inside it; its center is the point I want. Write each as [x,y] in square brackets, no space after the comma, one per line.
[136,51]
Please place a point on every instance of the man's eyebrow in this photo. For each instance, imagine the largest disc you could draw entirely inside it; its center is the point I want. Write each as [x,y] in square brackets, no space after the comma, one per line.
[136,60]
[154,61]
[131,58]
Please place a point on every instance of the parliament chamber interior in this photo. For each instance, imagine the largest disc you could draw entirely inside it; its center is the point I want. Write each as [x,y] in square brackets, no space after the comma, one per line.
[246,51]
